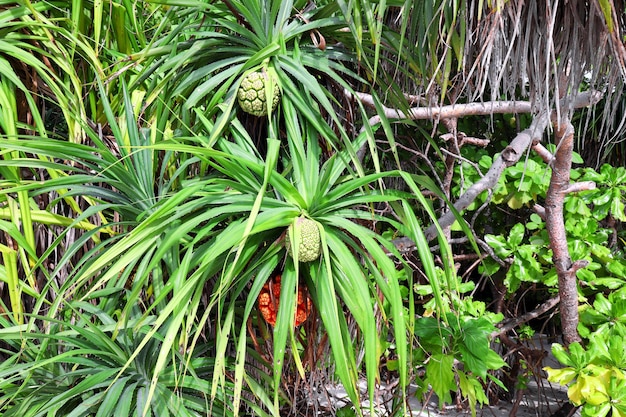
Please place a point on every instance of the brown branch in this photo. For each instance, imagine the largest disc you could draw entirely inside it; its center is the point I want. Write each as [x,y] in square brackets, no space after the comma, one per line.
[540,210]
[509,156]
[580,186]
[463,139]
[544,153]
[452,153]
[555,226]
[483,143]
[509,325]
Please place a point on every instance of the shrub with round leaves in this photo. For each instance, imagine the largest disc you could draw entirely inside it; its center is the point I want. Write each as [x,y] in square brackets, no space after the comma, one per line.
[309,244]
[252,93]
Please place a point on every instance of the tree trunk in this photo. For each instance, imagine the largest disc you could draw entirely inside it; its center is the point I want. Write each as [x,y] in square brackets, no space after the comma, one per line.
[566,270]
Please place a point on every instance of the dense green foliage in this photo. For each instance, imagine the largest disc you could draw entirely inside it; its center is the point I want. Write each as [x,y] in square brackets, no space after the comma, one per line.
[143,212]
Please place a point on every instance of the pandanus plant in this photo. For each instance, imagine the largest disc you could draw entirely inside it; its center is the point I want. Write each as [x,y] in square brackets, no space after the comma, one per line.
[312,220]
[193,222]
[191,263]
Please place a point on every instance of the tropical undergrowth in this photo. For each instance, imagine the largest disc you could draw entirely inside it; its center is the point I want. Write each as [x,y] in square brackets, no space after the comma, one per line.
[138,235]
[520,262]
[143,214]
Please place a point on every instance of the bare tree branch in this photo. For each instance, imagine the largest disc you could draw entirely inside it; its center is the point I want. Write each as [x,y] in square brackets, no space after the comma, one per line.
[540,210]
[580,186]
[525,318]
[544,153]
[509,156]
[583,99]
[450,111]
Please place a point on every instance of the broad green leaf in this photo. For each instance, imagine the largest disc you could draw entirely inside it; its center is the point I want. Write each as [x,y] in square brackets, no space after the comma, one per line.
[516,236]
[494,361]
[603,305]
[473,390]
[474,364]
[561,376]
[440,375]
[499,244]
[561,354]
[617,206]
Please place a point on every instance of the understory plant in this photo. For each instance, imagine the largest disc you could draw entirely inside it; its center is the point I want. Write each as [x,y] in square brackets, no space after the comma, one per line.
[212,207]
[464,339]
[594,369]
[94,367]
[521,254]
[179,251]
[595,372]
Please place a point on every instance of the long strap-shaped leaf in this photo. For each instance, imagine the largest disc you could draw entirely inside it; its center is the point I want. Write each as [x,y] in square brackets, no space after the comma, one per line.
[9,257]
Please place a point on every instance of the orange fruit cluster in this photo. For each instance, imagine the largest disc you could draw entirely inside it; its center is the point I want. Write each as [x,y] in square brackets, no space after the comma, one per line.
[270,296]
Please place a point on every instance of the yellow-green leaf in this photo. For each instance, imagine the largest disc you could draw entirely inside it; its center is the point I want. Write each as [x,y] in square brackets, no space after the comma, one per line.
[561,376]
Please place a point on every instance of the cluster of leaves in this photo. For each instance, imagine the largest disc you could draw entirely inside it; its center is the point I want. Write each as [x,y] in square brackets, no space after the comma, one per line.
[519,186]
[461,357]
[524,247]
[165,210]
[596,372]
